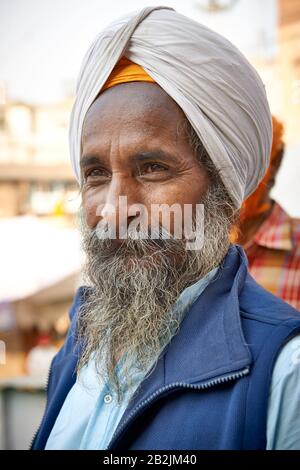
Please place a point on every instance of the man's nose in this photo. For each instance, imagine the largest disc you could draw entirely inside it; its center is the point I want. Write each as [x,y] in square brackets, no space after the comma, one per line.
[121,194]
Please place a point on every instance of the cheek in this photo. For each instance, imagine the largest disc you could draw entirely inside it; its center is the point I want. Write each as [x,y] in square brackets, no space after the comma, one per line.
[188,189]
[184,190]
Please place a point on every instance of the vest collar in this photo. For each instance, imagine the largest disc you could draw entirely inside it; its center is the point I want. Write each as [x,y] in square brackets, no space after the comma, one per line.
[210,341]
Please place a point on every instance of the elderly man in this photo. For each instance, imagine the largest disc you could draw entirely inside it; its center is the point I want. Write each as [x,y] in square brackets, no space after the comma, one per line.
[169,347]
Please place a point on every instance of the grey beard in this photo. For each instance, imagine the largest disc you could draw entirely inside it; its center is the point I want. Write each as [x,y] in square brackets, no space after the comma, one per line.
[134,287]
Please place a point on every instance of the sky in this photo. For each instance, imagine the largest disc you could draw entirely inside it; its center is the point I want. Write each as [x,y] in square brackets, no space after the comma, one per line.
[42,42]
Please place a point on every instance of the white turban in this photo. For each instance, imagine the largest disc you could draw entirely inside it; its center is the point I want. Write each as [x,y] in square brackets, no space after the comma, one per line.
[219,91]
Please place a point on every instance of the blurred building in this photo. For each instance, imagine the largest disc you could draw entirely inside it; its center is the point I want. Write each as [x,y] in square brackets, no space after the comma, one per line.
[281,70]
[289,65]
[35,174]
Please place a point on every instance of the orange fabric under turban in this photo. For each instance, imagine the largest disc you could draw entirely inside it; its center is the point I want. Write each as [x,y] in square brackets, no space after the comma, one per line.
[126,71]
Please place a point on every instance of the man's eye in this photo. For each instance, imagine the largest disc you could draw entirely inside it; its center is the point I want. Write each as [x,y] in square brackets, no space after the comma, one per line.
[152,167]
[96,173]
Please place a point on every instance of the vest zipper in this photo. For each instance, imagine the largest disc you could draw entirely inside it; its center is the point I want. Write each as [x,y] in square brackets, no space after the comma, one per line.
[176,385]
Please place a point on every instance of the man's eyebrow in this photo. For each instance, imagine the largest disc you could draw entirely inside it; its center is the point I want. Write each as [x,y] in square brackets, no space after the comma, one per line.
[90,160]
[156,154]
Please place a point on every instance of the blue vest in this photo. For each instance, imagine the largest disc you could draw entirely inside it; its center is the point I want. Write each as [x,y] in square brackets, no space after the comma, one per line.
[209,389]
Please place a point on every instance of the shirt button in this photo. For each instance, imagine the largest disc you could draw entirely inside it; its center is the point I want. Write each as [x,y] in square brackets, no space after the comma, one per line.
[107,399]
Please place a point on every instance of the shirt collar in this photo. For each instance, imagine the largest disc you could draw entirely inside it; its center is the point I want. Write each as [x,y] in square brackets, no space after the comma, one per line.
[276,231]
[192,292]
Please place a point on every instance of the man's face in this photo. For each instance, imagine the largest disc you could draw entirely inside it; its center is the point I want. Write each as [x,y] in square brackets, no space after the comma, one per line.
[132,146]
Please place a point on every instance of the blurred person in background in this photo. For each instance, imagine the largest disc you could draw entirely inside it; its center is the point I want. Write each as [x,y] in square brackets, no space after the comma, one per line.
[270,237]
[170,347]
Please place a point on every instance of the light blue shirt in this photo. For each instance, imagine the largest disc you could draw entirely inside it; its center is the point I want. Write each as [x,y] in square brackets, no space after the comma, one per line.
[90,413]
[283,425]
